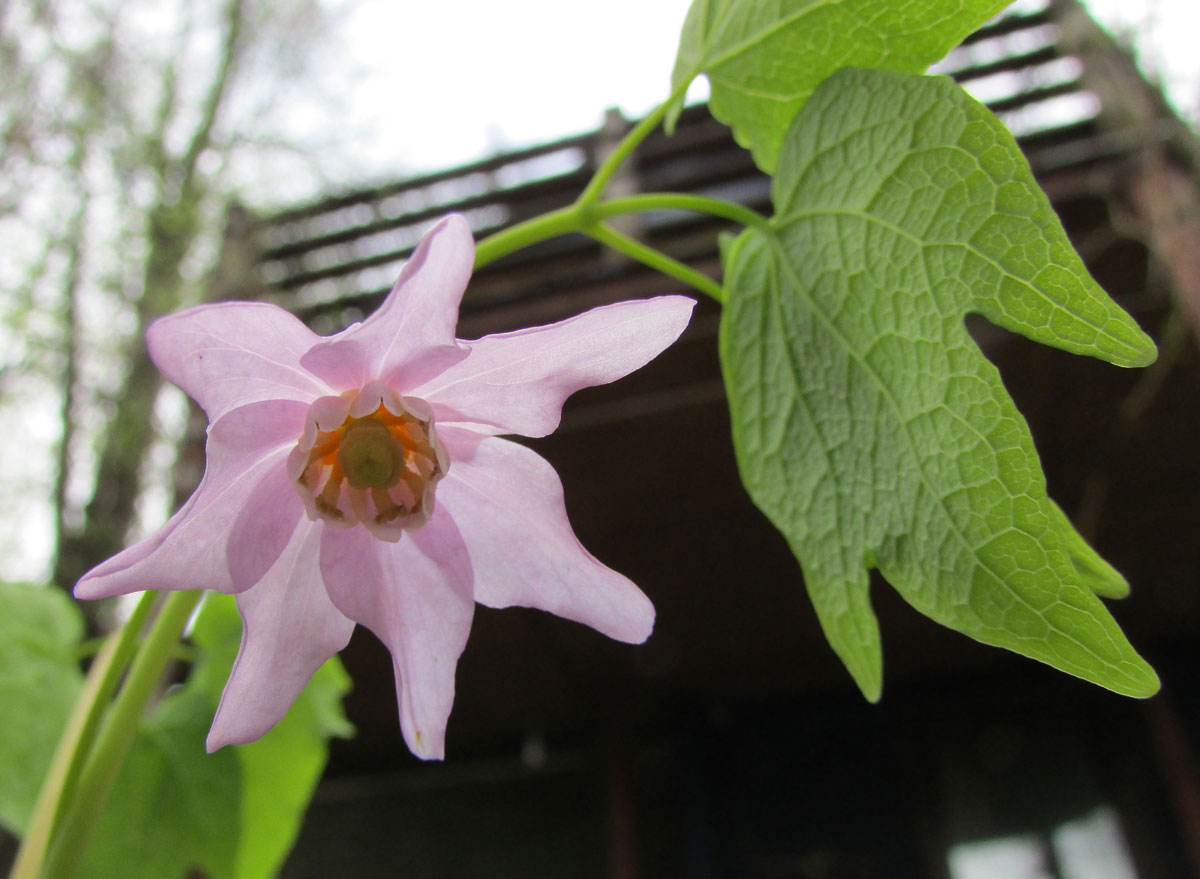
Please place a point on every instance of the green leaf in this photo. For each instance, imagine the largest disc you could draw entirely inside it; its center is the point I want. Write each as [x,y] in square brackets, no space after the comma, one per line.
[40,630]
[177,811]
[173,812]
[280,771]
[763,58]
[868,426]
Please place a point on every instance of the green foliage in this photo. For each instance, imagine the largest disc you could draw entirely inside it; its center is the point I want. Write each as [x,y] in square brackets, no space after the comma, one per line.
[174,810]
[40,628]
[867,424]
[233,814]
[280,771]
[763,58]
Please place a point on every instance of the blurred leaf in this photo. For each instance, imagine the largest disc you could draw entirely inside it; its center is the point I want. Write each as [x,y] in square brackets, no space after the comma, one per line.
[40,630]
[177,812]
[173,813]
[281,770]
[763,58]
[868,426]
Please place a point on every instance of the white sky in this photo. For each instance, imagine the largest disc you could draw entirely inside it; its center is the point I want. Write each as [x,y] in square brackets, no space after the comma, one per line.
[411,86]
[439,84]
[463,78]
[1163,34]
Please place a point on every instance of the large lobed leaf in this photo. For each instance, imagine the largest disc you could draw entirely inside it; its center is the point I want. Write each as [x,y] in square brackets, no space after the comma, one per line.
[868,426]
[763,58]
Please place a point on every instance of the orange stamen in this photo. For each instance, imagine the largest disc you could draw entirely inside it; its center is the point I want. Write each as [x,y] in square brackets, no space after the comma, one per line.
[398,497]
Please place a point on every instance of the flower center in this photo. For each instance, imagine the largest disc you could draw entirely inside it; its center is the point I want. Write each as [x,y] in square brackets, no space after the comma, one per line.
[370,456]
[378,469]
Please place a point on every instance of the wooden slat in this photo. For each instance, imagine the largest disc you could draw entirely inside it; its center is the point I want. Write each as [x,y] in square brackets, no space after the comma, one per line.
[378,193]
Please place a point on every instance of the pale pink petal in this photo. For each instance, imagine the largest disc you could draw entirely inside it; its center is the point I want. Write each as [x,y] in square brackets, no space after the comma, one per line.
[189,551]
[342,364]
[415,595]
[411,335]
[289,628]
[131,556]
[517,382]
[261,425]
[508,504]
[233,353]
[263,527]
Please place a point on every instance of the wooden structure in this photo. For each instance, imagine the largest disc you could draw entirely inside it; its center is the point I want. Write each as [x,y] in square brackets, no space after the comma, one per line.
[733,744]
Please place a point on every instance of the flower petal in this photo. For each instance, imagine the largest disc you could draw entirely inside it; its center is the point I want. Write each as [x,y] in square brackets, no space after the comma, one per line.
[262,528]
[411,335]
[517,382]
[261,425]
[189,551]
[508,504]
[98,582]
[415,595]
[341,363]
[289,628]
[234,353]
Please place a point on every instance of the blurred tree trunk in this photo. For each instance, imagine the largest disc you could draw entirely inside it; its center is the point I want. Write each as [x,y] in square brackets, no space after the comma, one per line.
[94,93]
[76,244]
[173,224]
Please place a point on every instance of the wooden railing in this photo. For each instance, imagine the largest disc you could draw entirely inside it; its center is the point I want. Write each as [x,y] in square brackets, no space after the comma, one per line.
[332,260]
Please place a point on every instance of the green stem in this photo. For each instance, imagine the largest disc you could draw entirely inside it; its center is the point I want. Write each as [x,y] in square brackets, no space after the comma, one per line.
[656,260]
[582,218]
[559,222]
[678,201]
[76,743]
[116,735]
[628,144]
[587,214]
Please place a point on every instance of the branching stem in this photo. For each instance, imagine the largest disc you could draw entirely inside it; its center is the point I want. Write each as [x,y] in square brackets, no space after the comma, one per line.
[588,213]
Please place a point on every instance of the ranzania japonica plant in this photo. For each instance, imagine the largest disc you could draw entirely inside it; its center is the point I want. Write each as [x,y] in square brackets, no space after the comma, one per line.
[360,479]
[363,479]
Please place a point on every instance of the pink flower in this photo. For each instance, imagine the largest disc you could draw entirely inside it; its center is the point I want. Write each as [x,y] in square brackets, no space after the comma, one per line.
[359,478]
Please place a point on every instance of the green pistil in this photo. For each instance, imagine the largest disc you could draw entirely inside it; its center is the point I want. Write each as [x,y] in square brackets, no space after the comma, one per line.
[369,456]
